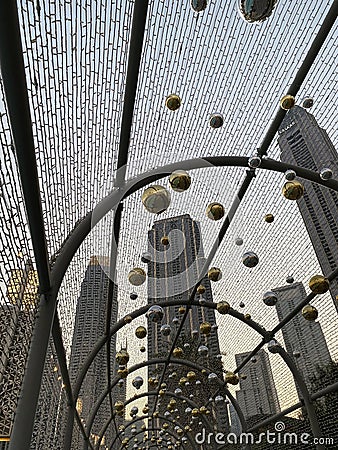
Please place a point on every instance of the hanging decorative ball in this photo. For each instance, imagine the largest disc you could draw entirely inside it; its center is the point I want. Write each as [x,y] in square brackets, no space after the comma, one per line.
[198,5]
[205,328]
[156,199]
[165,240]
[247,316]
[137,276]
[127,319]
[195,412]
[134,411]
[254,162]
[123,373]
[173,102]
[203,410]
[250,259]
[177,352]
[152,381]
[216,120]
[178,391]
[180,180]
[231,378]
[119,406]
[269,218]
[181,310]
[214,274]
[293,190]
[140,332]
[310,313]
[133,296]
[239,241]
[223,307]
[212,376]
[256,10]
[296,354]
[319,284]
[122,357]
[194,334]
[203,350]
[145,410]
[175,320]
[165,330]
[243,376]
[325,174]
[242,305]
[155,313]
[215,211]
[290,175]
[270,298]
[307,102]
[198,382]
[137,382]
[142,349]
[146,258]
[191,376]
[182,381]
[201,289]
[219,399]
[273,346]
[120,383]
[290,279]
[186,345]
[253,359]
[287,102]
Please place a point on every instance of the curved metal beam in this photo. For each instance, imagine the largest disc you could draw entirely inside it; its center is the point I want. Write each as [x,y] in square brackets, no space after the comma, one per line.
[153,394]
[182,362]
[145,417]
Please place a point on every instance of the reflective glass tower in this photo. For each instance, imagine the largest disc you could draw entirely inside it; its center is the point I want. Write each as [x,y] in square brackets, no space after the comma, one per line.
[173,271]
[304,143]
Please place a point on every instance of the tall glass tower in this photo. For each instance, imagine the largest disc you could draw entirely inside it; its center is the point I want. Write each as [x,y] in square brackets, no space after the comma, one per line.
[304,143]
[173,271]
[90,323]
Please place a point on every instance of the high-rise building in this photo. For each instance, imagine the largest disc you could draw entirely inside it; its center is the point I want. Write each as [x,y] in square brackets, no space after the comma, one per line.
[257,395]
[300,335]
[236,426]
[89,326]
[173,271]
[304,143]
[16,327]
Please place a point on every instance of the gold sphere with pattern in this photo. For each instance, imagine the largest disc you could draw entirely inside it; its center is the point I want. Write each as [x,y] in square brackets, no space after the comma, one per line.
[287,102]
[140,332]
[180,180]
[310,313]
[215,211]
[205,328]
[223,307]
[293,190]
[214,274]
[319,284]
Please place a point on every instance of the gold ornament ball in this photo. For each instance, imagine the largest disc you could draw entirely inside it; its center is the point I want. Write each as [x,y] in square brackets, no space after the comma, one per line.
[201,289]
[140,332]
[214,274]
[122,357]
[180,432]
[195,412]
[182,381]
[181,310]
[173,102]
[247,316]
[123,373]
[156,413]
[205,328]
[191,376]
[231,378]
[180,181]
[156,199]
[319,284]
[177,352]
[223,307]
[119,406]
[165,240]
[128,319]
[161,392]
[293,190]
[215,211]
[145,410]
[142,349]
[310,313]
[165,426]
[137,276]
[287,102]
[269,218]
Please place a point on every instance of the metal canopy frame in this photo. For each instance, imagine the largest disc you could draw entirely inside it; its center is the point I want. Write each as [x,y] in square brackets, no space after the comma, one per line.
[13,73]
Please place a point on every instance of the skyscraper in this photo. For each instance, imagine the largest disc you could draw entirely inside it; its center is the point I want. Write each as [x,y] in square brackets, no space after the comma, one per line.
[257,395]
[304,143]
[90,323]
[173,271]
[300,335]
